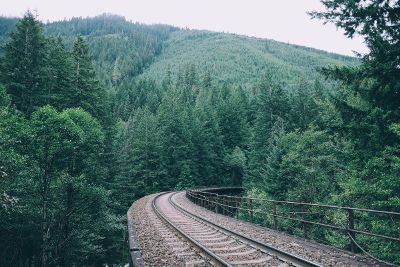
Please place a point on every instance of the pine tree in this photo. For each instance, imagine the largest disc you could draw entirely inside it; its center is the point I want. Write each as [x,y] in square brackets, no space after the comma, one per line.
[370,93]
[177,147]
[270,105]
[304,108]
[236,162]
[144,154]
[23,64]
[232,107]
[367,109]
[271,120]
[57,74]
[207,141]
[86,90]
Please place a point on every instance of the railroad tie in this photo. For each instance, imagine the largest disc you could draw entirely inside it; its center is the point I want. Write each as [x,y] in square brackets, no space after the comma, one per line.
[255,261]
[243,253]
[194,263]
[229,249]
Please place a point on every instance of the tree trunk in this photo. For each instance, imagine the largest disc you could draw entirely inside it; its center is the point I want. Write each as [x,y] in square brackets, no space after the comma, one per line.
[44,226]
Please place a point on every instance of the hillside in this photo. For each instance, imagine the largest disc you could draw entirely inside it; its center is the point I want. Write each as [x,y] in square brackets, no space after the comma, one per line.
[239,60]
[132,49]
[123,50]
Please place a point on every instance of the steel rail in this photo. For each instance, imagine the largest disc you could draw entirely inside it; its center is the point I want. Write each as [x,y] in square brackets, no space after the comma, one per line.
[211,256]
[265,248]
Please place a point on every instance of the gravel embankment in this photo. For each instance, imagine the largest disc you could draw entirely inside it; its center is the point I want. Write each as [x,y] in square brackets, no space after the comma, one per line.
[313,251]
[154,250]
[160,245]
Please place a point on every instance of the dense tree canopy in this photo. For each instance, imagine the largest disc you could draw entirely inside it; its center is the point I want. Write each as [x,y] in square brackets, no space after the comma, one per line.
[95,113]
[53,182]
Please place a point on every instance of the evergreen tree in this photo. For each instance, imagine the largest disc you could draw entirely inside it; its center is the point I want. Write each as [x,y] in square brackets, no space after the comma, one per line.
[207,141]
[236,163]
[304,108]
[24,63]
[53,165]
[232,107]
[57,74]
[367,108]
[370,92]
[86,90]
[176,141]
[144,155]
[272,113]
[316,159]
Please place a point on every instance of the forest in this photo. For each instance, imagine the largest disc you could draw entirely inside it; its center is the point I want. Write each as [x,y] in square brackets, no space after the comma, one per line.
[98,112]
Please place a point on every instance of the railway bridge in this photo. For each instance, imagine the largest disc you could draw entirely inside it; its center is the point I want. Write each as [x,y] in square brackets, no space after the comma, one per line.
[220,227]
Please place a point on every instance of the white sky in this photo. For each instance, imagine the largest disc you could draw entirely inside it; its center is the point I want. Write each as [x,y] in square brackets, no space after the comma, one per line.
[281,20]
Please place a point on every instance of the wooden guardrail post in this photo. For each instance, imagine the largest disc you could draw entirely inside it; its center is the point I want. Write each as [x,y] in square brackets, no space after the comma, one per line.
[229,203]
[220,205]
[237,205]
[250,208]
[225,202]
[274,215]
[233,207]
[216,204]
[226,206]
[351,233]
[222,201]
[304,223]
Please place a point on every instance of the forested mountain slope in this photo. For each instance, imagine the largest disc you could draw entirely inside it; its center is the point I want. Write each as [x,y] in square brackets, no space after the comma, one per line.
[120,49]
[123,50]
[239,60]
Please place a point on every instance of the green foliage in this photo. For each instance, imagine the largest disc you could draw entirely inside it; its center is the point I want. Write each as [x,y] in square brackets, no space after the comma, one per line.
[23,64]
[271,117]
[121,49]
[58,74]
[314,158]
[345,148]
[4,98]
[238,60]
[102,111]
[49,187]
[55,209]
[140,153]
[7,25]
[236,162]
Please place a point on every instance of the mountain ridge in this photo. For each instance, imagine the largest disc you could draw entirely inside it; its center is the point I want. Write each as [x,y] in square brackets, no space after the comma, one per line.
[135,51]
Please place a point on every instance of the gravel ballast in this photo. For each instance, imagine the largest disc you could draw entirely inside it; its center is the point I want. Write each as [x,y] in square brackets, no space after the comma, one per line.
[160,245]
[155,252]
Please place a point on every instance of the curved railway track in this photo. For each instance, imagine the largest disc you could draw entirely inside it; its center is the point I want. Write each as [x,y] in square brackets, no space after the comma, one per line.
[217,245]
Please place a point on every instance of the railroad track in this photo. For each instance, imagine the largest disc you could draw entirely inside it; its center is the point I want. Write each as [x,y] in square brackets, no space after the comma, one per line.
[217,245]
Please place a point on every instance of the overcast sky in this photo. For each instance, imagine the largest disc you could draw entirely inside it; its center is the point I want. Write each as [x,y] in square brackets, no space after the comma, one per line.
[281,20]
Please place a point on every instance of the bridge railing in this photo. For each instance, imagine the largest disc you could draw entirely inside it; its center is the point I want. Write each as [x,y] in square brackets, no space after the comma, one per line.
[352,228]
